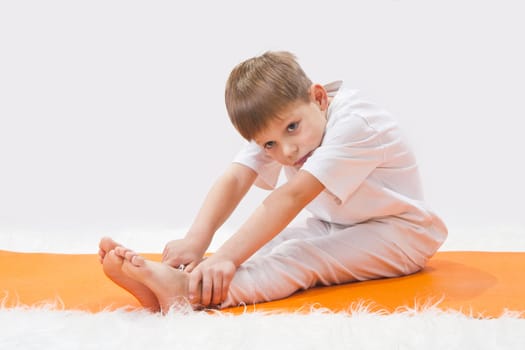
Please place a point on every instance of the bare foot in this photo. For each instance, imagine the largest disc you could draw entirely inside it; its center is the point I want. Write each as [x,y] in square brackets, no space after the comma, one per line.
[170,285]
[112,266]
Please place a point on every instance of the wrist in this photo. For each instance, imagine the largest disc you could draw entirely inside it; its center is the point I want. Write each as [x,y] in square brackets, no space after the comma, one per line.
[224,255]
[198,240]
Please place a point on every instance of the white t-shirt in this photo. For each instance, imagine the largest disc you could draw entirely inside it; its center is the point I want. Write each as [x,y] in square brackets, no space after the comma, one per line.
[368,170]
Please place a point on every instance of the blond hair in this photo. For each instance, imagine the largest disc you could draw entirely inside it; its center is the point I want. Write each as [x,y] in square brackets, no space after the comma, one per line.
[261,87]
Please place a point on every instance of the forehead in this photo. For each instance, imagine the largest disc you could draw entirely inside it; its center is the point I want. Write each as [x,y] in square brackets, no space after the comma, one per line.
[273,128]
[279,123]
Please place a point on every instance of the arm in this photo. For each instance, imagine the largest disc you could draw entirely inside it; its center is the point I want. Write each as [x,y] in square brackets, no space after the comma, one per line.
[270,218]
[222,199]
[220,202]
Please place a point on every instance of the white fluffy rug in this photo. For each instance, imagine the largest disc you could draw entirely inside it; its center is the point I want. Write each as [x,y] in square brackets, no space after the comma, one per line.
[47,329]
[52,328]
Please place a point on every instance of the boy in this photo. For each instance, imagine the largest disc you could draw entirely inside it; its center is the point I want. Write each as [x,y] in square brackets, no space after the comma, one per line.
[346,163]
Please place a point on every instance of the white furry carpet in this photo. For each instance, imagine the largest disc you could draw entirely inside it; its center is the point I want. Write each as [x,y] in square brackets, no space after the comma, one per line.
[48,329]
[52,328]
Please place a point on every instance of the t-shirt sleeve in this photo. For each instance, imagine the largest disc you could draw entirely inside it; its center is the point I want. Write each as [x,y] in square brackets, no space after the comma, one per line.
[266,168]
[350,151]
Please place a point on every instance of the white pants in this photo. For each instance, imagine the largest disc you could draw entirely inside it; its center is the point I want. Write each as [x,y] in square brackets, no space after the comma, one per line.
[320,253]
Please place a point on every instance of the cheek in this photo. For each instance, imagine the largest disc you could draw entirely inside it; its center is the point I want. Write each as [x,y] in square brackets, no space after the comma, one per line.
[278,157]
[314,137]
[320,132]
[274,154]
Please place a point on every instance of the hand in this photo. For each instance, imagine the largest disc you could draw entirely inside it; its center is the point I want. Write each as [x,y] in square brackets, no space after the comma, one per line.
[182,252]
[210,281]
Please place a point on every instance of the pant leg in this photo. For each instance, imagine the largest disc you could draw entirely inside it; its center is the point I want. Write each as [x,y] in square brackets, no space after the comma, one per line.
[319,253]
[308,228]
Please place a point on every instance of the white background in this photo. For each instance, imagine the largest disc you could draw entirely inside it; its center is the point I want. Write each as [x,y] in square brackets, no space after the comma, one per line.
[112,117]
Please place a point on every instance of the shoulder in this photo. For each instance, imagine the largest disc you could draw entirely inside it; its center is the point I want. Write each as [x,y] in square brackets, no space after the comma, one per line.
[352,117]
[254,157]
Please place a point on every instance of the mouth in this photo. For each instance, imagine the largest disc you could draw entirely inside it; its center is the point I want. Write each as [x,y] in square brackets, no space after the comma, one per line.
[303,159]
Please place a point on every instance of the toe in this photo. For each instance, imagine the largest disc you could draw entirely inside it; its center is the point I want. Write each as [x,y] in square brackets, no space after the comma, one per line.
[121,251]
[113,257]
[137,260]
[112,264]
[101,255]
[106,244]
[112,261]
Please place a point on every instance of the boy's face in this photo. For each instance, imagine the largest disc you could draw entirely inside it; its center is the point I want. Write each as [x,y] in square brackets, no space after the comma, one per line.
[292,137]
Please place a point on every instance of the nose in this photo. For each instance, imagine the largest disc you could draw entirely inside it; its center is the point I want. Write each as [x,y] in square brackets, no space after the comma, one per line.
[289,150]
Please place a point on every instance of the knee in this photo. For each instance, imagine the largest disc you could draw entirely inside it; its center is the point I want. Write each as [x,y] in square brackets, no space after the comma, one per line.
[289,248]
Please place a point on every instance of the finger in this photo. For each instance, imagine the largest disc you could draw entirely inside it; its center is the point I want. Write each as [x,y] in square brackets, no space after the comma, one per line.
[217,289]
[190,267]
[165,254]
[206,289]
[173,262]
[226,280]
[194,286]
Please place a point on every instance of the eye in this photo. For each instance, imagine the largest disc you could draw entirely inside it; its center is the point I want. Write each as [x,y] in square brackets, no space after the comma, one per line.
[292,126]
[269,145]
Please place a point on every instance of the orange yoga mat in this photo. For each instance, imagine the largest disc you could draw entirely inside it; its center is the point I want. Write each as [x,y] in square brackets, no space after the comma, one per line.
[482,284]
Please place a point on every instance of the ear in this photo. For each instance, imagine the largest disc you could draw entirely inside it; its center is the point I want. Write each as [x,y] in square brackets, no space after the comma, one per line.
[319,96]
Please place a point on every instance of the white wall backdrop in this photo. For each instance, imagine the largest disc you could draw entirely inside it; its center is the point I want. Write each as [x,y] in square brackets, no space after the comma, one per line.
[112,116]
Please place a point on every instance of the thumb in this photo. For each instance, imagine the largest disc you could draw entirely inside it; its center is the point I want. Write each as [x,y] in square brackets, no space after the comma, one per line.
[173,262]
[189,268]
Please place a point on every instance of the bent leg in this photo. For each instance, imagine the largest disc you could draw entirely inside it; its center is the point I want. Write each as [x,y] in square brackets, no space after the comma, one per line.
[336,255]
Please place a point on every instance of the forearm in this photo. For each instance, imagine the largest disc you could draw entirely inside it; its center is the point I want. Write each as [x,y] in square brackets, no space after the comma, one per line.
[258,230]
[269,219]
[222,199]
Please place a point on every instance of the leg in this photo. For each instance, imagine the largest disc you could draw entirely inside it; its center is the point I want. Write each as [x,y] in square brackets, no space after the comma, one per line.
[169,285]
[334,255]
[310,228]
[112,266]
